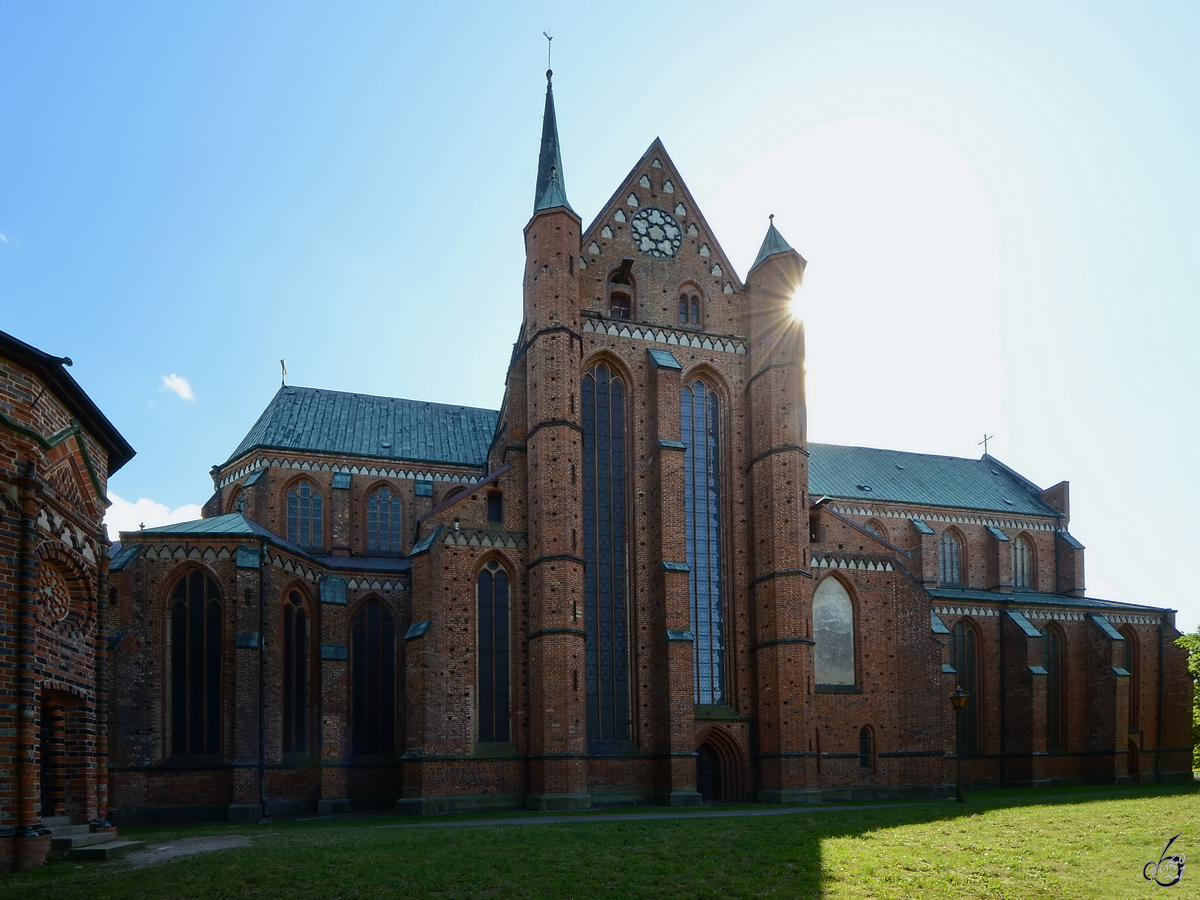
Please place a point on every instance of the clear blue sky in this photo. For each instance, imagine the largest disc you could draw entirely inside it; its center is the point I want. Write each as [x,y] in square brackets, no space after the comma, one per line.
[999,202]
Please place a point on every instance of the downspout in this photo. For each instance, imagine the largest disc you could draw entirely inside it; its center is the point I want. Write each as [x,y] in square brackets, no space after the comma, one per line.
[1162,674]
[262,678]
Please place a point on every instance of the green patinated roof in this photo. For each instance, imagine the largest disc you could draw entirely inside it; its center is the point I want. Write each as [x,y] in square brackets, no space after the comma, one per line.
[1035,598]
[337,422]
[919,478]
[550,191]
[772,245]
[231,523]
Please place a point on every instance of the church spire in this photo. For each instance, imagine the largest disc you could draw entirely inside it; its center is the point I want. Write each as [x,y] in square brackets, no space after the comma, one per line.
[550,192]
[772,245]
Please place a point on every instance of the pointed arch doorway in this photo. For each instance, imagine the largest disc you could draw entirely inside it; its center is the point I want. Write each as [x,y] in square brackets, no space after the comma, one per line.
[719,768]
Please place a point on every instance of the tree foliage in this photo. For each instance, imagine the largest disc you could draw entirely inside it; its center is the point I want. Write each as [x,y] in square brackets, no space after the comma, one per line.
[1191,643]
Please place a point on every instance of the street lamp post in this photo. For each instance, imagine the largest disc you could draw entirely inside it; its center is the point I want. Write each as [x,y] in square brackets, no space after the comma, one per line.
[959,699]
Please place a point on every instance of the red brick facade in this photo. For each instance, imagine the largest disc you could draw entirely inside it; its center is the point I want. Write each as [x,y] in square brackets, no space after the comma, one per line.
[56,451]
[601,296]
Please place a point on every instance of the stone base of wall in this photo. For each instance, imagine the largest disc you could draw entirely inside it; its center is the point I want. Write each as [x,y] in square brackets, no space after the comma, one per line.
[169,814]
[30,848]
[436,806]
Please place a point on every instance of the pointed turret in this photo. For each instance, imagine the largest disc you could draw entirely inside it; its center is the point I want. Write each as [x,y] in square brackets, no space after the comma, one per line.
[550,191]
[773,244]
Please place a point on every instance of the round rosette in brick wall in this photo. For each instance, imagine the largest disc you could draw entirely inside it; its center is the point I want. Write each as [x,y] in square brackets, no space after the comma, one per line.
[64,610]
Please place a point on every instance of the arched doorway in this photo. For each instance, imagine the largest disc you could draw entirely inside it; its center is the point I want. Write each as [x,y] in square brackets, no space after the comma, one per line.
[719,768]
[1132,766]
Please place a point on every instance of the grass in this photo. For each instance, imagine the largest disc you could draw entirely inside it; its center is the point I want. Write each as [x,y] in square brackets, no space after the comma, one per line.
[1085,843]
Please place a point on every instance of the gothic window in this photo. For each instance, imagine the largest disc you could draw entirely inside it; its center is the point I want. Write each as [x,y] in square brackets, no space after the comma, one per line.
[695,310]
[866,748]
[1135,680]
[1053,663]
[951,558]
[965,662]
[373,680]
[304,516]
[1022,560]
[492,590]
[702,520]
[196,666]
[383,521]
[876,529]
[833,633]
[606,661]
[295,673]
[683,309]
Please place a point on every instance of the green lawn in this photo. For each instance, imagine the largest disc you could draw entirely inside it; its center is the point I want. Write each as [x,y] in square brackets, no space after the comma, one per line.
[1086,843]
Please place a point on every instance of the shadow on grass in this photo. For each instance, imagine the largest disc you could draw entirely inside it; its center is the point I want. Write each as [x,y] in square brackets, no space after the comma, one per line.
[936,849]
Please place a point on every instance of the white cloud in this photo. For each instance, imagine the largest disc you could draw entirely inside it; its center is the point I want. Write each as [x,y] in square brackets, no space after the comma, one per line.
[126,516]
[177,384]
[3,238]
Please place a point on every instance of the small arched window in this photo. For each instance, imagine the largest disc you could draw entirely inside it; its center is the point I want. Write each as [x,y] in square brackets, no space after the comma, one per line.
[965,662]
[620,291]
[373,680]
[1022,560]
[951,558]
[866,748]
[683,309]
[876,529]
[833,633]
[383,521]
[1056,706]
[493,654]
[305,516]
[196,666]
[695,310]
[295,673]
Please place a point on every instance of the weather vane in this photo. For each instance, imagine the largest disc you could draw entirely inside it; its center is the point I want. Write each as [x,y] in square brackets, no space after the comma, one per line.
[549,42]
[986,437]
[283,376]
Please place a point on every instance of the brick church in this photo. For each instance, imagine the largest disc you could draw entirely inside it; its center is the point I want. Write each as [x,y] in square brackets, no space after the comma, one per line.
[635,582]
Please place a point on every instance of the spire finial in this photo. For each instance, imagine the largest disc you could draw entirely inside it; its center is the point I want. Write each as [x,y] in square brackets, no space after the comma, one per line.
[549,44]
[772,218]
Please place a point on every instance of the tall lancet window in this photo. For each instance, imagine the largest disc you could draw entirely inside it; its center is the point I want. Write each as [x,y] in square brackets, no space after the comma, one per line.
[702,518]
[493,690]
[604,548]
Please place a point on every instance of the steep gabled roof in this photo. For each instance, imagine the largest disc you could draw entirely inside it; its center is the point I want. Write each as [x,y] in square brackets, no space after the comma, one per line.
[337,422]
[864,474]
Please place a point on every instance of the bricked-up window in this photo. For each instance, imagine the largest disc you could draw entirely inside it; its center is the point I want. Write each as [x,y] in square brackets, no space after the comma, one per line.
[1022,560]
[700,412]
[305,527]
[492,590]
[373,680]
[196,666]
[951,558]
[965,661]
[866,748]
[1132,666]
[495,507]
[604,548]
[1056,706]
[295,674]
[833,634]
[383,521]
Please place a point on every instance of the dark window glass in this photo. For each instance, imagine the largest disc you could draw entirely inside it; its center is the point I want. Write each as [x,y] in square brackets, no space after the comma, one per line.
[373,680]
[866,748]
[305,514]
[383,521]
[1052,662]
[1135,680]
[604,544]
[683,309]
[1022,559]
[702,521]
[295,674]
[619,306]
[963,658]
[196,666]
[495,503]
[695,310]
[493,654]
[875,529]
[951,558]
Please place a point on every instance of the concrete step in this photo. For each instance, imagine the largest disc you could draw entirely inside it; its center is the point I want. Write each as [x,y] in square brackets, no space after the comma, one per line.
[55,821]
[68,830]
[111,850]
[75,841]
